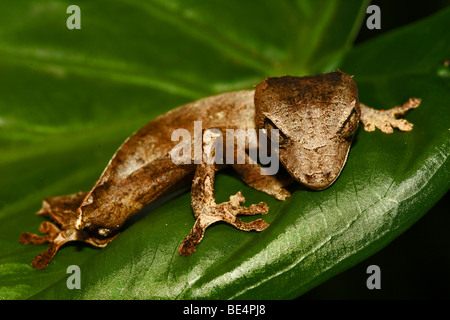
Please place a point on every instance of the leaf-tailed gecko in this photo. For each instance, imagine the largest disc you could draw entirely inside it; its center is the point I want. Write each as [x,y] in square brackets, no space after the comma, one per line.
[316,118]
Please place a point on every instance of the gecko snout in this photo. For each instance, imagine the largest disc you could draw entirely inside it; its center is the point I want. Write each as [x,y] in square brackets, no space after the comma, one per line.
[315,168]
[319,181]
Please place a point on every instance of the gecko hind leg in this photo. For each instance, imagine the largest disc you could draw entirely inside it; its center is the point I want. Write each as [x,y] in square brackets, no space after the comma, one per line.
[208,212]
[386,120]
[63,211]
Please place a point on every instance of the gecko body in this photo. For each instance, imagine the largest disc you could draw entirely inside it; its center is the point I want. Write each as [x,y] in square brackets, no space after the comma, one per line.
[315,117]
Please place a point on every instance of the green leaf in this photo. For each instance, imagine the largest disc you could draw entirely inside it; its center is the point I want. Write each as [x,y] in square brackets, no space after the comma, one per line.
[69,98]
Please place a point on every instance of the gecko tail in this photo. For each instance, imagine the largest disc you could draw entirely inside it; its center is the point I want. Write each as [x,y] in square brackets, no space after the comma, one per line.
[63,212]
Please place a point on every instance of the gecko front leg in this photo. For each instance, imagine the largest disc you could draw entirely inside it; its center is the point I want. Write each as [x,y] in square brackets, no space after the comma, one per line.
[386,120]
[273,185]
[207,211]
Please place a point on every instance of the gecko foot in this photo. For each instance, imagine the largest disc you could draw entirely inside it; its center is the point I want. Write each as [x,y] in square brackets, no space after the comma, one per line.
[207,212]
[63,211]
[227,212]
[52,234]
[386,120]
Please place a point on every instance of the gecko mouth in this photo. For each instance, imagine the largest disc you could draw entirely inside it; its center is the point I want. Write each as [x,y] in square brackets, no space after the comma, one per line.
[316,168]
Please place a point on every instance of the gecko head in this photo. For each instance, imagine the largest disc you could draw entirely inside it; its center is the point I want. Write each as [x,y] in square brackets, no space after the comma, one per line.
[316,118]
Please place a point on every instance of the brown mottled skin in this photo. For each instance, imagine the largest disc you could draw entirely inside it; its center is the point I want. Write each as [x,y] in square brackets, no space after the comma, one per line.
[317,117]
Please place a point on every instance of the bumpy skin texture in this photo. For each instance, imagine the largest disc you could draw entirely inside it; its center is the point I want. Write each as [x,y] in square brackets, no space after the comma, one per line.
[317,117]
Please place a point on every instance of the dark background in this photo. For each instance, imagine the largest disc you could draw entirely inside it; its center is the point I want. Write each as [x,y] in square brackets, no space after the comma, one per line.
[397,13]
[416,265]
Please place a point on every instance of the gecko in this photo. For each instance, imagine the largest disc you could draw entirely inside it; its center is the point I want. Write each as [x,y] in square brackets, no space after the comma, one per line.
[316,118]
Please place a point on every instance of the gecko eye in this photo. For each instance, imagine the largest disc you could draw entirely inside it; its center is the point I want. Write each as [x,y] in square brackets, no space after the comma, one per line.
[350,125]
[269,126]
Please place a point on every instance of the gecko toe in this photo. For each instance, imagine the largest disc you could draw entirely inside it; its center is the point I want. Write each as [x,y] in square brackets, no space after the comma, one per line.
[387,120]
[42,260]
[226,212]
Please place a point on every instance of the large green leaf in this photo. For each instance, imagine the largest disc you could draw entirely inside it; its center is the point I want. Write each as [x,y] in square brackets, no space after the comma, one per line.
[69,98]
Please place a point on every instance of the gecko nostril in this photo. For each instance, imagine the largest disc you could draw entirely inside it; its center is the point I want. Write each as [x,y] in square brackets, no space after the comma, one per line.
[308,178]
[327,175]
[318,181]
[317,177]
